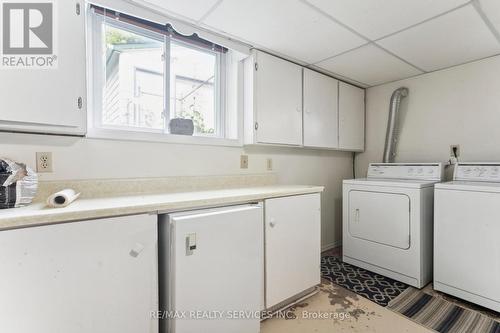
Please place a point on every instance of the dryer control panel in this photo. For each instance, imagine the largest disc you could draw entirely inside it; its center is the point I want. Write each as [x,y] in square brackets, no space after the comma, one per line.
[418,171]
[477,172]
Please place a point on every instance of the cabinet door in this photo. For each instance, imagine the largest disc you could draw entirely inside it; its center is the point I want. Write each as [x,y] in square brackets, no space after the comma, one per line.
[292,246]
[351,117]
[320,110]
[48,100]
[93,276]
[278,101]
[228,253]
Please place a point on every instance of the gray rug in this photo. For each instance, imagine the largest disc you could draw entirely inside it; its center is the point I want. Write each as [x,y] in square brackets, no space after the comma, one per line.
[441,315]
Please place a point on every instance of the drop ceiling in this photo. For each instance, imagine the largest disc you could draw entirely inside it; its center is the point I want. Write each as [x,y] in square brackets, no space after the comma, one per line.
[366,42]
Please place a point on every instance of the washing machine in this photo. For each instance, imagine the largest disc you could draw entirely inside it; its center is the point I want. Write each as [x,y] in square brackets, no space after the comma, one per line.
[467,234]
[387,220]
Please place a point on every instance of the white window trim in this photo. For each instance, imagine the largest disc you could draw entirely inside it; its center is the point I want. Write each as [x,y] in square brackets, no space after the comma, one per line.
[96,82]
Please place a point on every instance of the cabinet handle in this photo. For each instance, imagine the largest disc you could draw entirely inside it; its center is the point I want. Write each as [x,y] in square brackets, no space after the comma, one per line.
[136,250]
[272,222]
[307,111]
[298,109]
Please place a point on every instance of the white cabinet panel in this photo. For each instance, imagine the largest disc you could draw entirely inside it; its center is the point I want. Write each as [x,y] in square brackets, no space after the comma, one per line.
[216,263]
[351,117]
[273,100]
[292,246]
[320,110]
[93,276]
[286,104]
[47,100]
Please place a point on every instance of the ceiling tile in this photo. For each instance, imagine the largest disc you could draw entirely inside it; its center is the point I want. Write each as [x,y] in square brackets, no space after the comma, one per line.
[378,18]
[370,65]
[338,76]
[294,30]
[492,10]
[192,9]
[452,39]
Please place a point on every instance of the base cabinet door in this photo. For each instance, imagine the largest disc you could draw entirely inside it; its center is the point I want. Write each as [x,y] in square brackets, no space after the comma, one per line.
[214,265]
[292,246]
[93,276]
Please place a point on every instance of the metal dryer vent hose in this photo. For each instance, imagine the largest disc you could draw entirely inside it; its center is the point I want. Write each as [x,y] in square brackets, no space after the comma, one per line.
[391,137]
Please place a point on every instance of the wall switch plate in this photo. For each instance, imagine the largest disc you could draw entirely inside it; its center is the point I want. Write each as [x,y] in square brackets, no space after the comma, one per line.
[455,149]
[244,162]
[269,164]
[44,162]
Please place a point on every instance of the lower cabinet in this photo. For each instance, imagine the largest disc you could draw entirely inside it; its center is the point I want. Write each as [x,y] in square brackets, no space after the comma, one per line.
[292,247]
[212,270]
[93,276]
[102,276]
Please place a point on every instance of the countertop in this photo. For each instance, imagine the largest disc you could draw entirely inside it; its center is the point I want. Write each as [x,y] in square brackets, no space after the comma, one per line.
[88,208]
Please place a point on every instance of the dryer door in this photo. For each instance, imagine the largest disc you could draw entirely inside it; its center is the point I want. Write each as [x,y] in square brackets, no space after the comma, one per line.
[380,217]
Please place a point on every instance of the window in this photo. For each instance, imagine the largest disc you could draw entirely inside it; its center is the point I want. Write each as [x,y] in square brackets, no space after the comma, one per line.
[151,82]
[193,90]
[133,92]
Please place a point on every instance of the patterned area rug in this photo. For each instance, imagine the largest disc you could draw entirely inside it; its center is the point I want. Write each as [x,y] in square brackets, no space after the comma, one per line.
[375,287]
[441,315]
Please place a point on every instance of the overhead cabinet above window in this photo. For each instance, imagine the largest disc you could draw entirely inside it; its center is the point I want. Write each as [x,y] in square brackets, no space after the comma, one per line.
[286,104]
[42,85]
[273,100]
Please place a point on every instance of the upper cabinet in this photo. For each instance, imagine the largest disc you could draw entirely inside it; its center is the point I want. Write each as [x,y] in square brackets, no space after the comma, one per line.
[42,85]
[320,110]
[351,117]
[273,101]
[286,104]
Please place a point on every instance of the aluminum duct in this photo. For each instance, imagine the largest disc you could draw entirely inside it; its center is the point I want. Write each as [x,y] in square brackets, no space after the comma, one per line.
[391,137]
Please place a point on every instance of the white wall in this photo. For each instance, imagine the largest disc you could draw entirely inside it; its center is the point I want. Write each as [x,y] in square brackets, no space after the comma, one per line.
[76,158]
[459,105]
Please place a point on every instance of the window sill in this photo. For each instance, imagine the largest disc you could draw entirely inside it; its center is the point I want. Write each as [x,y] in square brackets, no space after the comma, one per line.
[123,135]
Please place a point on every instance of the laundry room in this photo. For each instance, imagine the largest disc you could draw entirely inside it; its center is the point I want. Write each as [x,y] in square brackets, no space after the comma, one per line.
[237,166]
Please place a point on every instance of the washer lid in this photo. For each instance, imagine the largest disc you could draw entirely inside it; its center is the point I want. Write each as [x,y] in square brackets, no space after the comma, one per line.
[462,185]
[404,183]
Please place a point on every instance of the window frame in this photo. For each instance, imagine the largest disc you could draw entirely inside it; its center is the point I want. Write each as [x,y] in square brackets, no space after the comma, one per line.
[97,81]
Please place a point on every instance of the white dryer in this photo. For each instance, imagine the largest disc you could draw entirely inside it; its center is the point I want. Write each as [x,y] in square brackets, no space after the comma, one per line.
[387,220]
[467,234]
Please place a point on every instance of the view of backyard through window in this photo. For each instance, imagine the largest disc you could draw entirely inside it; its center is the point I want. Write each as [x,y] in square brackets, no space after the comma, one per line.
[192,92]
[135,87]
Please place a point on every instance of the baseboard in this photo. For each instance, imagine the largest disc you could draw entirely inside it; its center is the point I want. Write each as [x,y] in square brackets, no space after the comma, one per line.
[331,246]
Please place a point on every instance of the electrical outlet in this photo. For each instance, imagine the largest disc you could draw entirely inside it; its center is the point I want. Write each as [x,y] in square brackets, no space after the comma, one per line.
[44,162]
[244,162]
[455,151]
[269,164]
